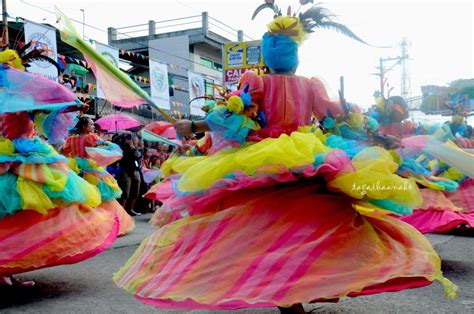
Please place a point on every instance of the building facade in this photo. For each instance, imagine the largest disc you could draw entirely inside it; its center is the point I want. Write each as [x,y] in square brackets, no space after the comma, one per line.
[186,44]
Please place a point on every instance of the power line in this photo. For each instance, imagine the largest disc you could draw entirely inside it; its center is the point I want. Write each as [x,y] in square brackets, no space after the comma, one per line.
[143,65]
[129,38]
[173,75]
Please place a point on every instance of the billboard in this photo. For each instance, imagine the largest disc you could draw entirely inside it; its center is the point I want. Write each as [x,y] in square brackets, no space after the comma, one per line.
[112,55]
[159,84]
[44,38]
[196,89]
[239,57]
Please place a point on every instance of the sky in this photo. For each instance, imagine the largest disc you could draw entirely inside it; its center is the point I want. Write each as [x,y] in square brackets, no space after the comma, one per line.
[440,35]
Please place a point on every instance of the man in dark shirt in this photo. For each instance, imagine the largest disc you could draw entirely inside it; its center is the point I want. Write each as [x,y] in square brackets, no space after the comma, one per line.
[129,178]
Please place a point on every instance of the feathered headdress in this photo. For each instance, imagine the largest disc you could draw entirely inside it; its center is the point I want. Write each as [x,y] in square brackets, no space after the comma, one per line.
[20,57]
[298,26]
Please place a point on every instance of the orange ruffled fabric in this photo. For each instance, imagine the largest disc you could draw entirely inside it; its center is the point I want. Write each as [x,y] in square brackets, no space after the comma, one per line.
[30,240]
[127,223]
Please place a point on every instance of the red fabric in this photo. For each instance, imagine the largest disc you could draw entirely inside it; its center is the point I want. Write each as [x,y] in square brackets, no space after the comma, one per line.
[439,221]
[75,146]
[16,125]
[393,285]
[399,129]
[164,129]
[288,102]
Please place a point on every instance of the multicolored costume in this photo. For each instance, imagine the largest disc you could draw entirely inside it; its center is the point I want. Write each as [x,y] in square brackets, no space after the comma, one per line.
[445,173]
[88,157]
[49,215]
[281,220]
[441,169]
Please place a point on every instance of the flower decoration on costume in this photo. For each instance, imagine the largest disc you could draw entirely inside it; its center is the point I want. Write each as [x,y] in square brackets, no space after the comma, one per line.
[352,125]
[391,110]
[237,102]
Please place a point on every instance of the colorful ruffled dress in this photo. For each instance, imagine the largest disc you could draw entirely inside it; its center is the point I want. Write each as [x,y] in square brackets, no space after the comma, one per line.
[48,214]
[444,173]
[88,157]
[280,221]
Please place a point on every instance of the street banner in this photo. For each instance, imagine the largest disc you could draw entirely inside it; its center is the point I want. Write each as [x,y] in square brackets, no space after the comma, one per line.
[196,89]
[112,55]
[159,84]
[44,38]
[239,57]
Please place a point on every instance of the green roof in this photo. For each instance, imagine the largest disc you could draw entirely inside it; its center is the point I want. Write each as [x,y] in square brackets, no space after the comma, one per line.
[77,69]
[468,90]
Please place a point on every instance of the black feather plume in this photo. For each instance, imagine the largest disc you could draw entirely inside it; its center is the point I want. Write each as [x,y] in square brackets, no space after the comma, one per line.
[272,6]
[319,17]
[42,58]
[23,49]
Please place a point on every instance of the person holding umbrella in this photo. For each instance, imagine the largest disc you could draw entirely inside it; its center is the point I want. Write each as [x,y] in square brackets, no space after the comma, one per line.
[81,147]
[117,122]
[129,178]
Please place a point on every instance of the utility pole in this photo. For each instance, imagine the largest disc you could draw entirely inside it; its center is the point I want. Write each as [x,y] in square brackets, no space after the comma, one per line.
[5,23]
[403,60]
[405,79]
[383,71]
[83,24]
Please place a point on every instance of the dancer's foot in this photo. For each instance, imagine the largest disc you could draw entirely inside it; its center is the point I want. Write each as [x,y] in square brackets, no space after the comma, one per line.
[11,281]
[294,309]
[134,213]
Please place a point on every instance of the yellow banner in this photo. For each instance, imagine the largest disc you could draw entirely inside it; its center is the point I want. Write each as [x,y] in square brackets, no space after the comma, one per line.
[239,57]
[242,55]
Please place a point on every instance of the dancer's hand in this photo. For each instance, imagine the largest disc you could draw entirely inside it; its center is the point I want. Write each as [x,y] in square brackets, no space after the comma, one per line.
[464,143]
[183,127]
[393,142]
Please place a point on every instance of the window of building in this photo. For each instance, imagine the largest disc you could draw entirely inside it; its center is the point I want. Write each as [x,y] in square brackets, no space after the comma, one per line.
[210,64]
[209,87]
[205,62]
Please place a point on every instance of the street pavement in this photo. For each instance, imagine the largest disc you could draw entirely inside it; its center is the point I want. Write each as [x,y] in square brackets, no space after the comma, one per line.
[87,287]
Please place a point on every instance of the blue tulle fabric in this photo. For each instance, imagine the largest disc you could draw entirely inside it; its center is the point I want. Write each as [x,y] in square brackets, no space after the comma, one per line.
[393,207]
[23,91]
[233,127]
[351,147]
[72,192]
[411,166]
[351,134]
[32,151]
[280,52]
[372,123]
[55,125]
[106,192]
[10,202]
[28,146]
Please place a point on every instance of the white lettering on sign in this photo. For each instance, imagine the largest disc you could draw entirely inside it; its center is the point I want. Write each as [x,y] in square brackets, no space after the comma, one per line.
[232,76]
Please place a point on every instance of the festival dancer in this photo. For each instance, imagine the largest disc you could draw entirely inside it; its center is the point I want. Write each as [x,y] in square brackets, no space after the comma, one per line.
[82,146]
[284,219]
[445,180]
[48,215]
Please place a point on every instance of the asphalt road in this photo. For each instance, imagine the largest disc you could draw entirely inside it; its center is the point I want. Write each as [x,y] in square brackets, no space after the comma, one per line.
[87,287]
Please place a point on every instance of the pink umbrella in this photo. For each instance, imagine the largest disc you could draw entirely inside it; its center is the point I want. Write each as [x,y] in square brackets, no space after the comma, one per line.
[115,122]
[162,128]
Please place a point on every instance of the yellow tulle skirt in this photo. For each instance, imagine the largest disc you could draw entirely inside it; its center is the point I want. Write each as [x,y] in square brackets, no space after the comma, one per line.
[369,175]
